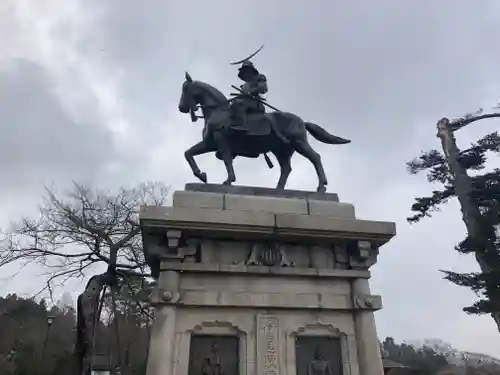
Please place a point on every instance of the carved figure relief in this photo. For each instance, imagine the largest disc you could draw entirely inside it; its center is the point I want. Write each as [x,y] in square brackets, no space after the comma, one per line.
[211,363]
[318,366]
[318,355]
[213,355]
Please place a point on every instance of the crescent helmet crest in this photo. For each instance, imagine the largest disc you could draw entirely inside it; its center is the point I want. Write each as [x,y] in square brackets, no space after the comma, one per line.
[247,58]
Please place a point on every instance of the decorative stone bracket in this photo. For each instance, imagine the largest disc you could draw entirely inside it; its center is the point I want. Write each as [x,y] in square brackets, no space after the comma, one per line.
[162,297]
[362,254]
[367,302]
[320,329]
[175,247]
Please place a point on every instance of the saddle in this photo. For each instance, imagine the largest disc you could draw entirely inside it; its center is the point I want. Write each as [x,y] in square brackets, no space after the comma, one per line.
[257,124]
[243,138]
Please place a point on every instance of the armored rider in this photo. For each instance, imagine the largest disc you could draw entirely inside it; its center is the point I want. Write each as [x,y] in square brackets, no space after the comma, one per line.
[249,102]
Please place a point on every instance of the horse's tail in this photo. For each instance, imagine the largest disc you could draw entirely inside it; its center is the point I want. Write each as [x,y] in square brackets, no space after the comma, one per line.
[323,136]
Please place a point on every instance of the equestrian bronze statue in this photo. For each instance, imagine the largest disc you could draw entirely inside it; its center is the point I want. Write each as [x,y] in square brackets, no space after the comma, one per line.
[241,127]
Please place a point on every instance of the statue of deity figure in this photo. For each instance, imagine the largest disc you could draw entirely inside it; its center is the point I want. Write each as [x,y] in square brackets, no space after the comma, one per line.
[318,366]
[211,363]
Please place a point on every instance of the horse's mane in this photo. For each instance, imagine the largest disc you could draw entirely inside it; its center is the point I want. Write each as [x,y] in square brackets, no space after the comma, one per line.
[213,92]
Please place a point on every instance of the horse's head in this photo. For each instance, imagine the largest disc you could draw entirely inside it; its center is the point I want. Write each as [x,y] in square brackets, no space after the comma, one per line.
[197,92]
[190,91]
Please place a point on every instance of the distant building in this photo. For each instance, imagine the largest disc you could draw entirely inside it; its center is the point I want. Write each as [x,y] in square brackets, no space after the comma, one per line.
[393,367]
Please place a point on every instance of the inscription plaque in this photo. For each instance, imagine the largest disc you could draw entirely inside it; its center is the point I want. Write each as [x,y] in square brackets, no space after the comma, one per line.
[213,355]
[268,346]
[318,355]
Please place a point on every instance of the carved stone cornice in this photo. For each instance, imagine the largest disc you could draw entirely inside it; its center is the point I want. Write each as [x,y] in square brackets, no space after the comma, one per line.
[249,224]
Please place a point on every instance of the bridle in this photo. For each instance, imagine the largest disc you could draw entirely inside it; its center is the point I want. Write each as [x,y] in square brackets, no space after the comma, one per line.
[196,106]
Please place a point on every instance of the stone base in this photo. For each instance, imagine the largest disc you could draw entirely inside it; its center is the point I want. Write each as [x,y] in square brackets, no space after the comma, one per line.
[278,272]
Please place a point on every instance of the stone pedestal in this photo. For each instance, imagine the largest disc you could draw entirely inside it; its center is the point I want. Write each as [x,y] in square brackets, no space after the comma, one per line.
[254,281]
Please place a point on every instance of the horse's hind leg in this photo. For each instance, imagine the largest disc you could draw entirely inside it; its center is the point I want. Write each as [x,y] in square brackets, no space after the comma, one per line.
[226,154]
[305,149]
[198,149]
[284,159]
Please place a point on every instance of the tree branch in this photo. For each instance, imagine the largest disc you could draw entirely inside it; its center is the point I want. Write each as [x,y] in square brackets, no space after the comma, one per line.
[462,122]
[84,226]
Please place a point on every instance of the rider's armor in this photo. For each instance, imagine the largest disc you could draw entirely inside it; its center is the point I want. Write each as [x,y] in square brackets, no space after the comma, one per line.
[250,101]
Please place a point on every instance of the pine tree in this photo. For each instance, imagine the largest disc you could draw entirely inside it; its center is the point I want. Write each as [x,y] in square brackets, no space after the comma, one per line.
[420,359]
[479,197]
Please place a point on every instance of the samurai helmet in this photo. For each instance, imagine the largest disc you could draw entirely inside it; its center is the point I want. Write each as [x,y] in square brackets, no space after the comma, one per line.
[247,67]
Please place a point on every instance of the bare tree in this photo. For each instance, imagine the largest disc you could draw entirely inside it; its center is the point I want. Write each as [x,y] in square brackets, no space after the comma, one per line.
[78,234]
[81,229]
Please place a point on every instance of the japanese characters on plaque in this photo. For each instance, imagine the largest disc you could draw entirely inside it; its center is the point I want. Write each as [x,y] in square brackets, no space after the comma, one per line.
[268,346]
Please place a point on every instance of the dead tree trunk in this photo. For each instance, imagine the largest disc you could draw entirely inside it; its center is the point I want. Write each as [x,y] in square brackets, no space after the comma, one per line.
[119,342]
[87,320]
[471,214]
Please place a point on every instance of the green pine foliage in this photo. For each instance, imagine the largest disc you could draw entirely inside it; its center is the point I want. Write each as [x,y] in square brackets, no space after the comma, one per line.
[423,360]
[486,194]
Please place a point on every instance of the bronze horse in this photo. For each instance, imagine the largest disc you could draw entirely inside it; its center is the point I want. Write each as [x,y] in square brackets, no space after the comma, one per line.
[280,133]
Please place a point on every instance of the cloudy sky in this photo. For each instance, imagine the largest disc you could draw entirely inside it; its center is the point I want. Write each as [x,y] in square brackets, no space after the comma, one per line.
[89,92]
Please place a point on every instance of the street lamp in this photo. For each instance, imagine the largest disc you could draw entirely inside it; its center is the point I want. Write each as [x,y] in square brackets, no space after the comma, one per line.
[100,365]
[50,320]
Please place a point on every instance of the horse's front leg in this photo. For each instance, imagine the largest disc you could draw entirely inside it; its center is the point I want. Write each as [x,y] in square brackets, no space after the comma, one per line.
[226,154]
[198,149]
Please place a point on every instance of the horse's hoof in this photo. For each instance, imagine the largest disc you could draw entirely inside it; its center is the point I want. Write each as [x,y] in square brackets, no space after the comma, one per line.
[229,181]
[202,176]
[321,189]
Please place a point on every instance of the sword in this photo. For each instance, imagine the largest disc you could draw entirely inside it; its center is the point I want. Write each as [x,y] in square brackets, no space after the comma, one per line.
[255,98]
[266,157]
[259,100]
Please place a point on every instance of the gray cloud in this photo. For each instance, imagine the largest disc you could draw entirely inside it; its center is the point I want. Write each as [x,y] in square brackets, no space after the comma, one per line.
[370,73]
[380,74]
[40,141]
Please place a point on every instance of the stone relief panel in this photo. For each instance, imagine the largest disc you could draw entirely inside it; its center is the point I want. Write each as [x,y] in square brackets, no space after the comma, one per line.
[224,252]
[298,255]
[318,355]
[322,257]
[213,355]
[341,257]
[213,348]
[269,254]
[355,255]
[319,349]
